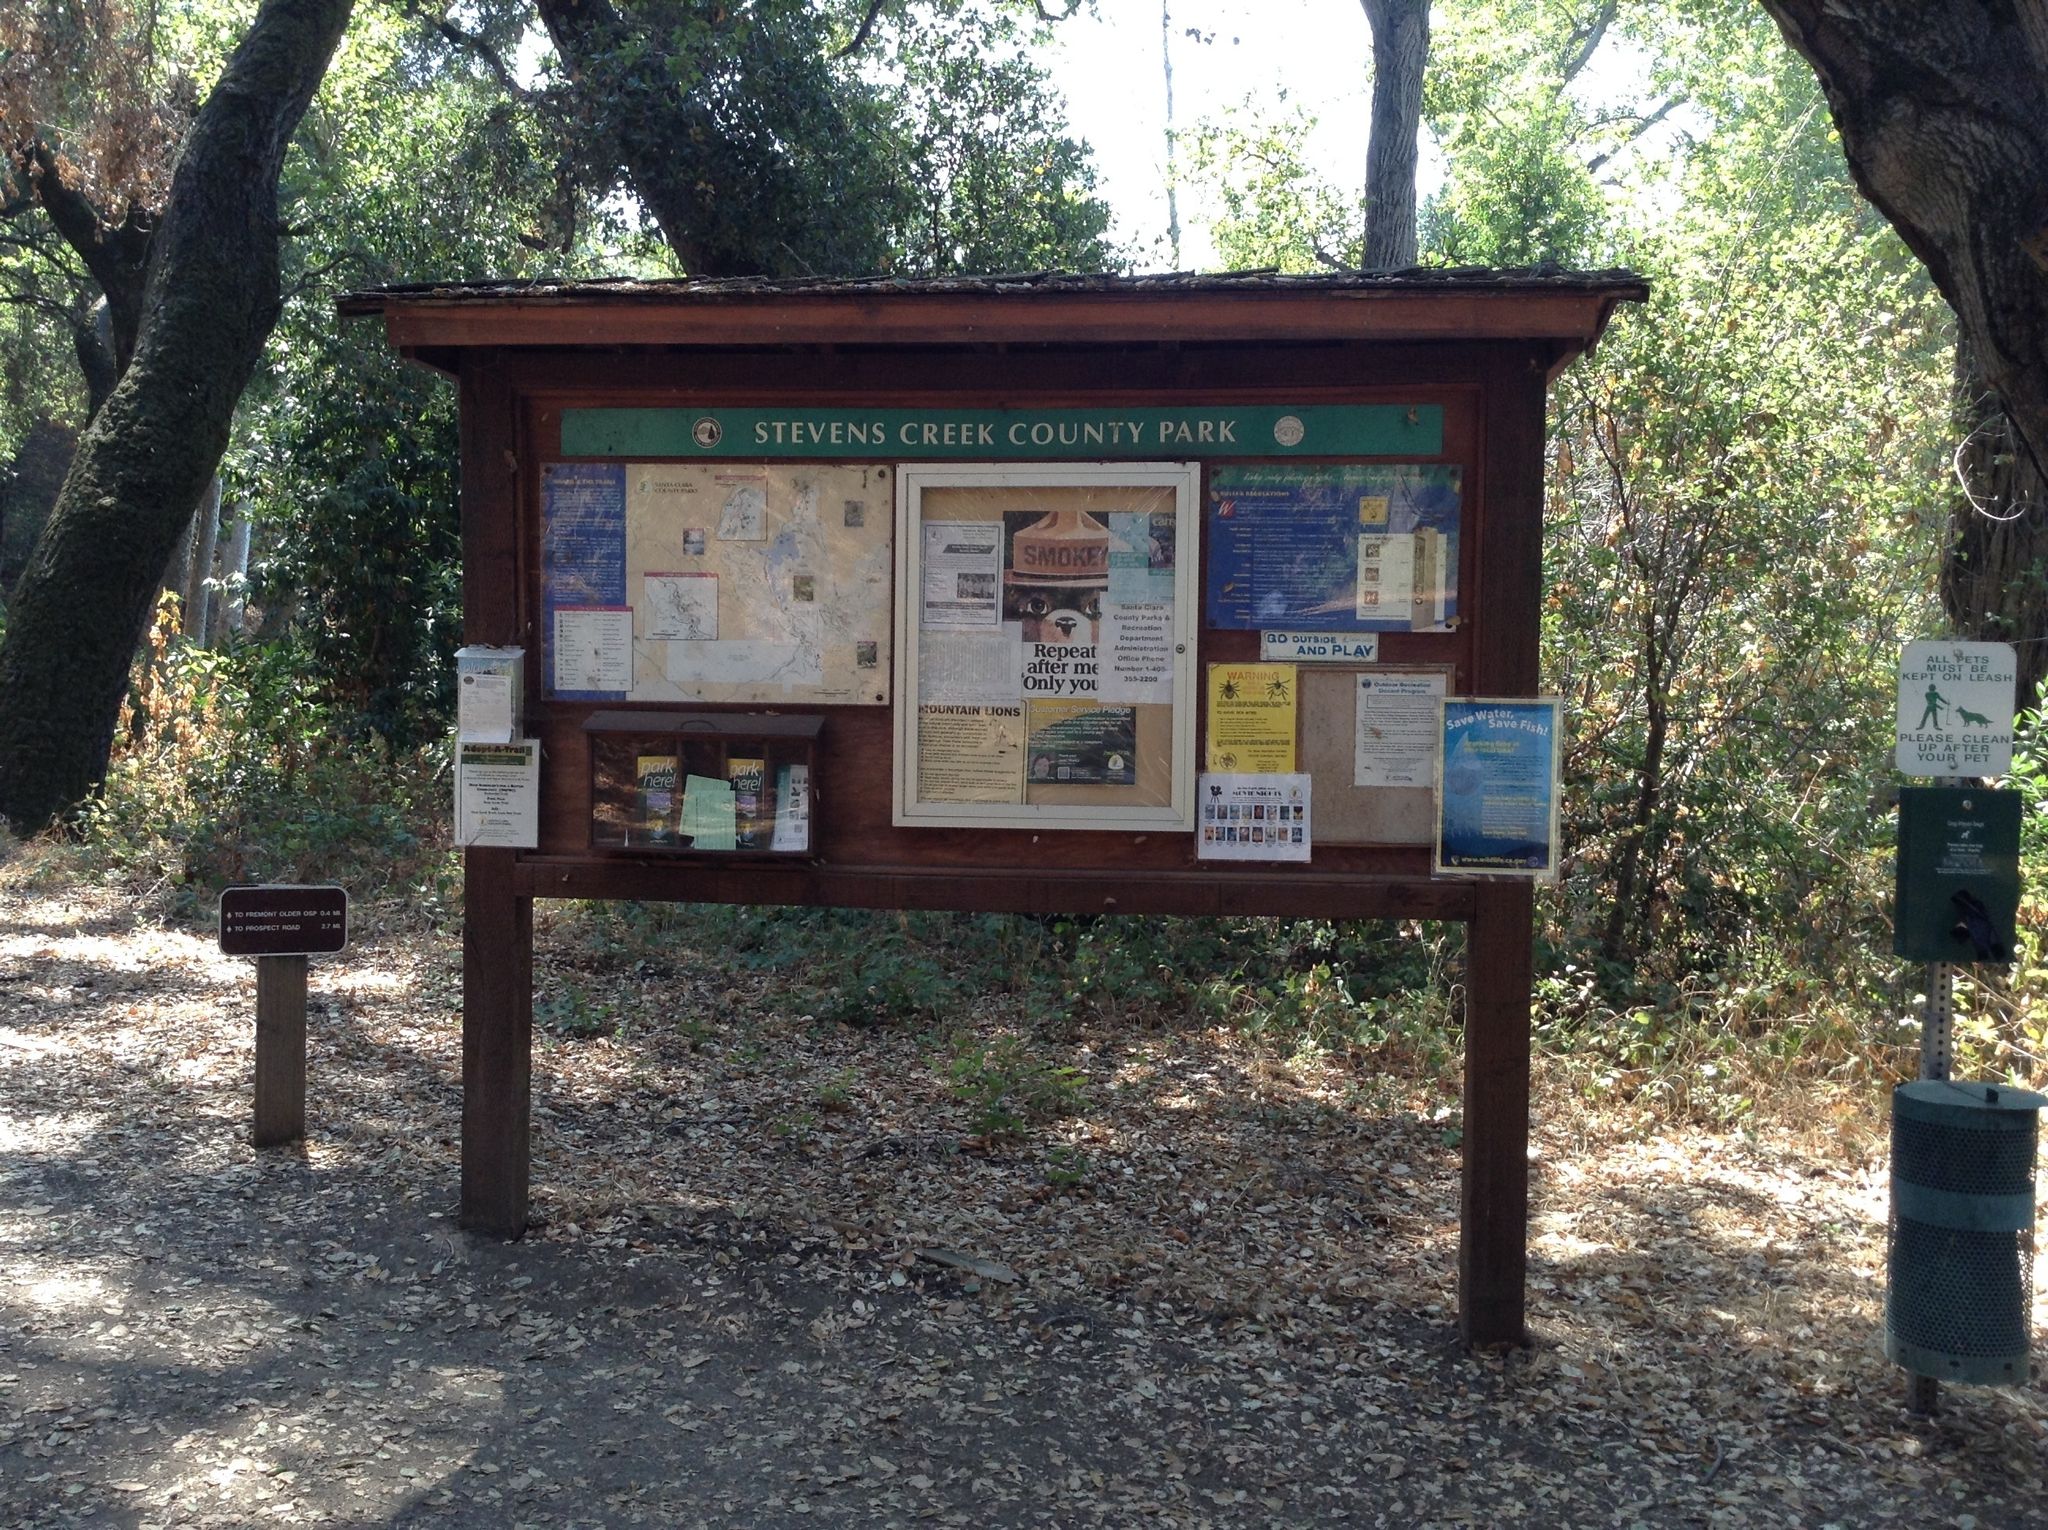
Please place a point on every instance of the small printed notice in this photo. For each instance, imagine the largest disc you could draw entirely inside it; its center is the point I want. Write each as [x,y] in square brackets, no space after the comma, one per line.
[1136,658]
[963,574]
[497,794]
[1386,577]
[792,809]
[594,649]
[1260,817]
[710,814]
[1083,743]
[1398,730]
[487,693]
[975,667]
[970,754]
[1251,718]
[680,607]
[1319,647]
[1497,791]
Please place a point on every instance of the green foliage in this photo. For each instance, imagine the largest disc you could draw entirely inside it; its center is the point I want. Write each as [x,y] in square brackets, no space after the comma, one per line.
[1007,1086]
[1272,209]
[229,771]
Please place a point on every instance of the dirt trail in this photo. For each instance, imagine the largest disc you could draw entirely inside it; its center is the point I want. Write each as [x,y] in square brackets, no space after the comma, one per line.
[1231,1301]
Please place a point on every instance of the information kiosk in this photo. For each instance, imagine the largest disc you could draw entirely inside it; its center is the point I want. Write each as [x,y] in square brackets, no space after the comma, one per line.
[1043,594]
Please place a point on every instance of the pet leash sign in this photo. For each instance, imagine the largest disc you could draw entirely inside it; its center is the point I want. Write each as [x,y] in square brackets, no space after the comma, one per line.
[1955,708]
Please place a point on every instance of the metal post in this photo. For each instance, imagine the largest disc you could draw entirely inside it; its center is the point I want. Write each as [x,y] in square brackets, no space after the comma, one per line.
[1937,1061]
[1937,1058]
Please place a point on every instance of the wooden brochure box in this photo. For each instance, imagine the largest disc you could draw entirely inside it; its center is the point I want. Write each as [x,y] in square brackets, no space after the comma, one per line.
[721,784]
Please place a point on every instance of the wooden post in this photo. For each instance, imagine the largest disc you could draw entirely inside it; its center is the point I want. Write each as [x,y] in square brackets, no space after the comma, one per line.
[280,1050]
[1493,1200]
[497,926]
[497,1045]
[1493,1197]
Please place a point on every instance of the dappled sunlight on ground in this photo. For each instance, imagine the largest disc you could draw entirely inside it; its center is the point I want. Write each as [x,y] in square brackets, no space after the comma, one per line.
[784,1269]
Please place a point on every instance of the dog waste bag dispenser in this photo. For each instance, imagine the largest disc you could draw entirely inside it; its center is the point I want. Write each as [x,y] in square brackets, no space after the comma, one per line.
[1962,1230]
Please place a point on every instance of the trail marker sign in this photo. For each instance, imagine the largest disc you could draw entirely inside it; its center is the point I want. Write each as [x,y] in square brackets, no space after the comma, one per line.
[279,920]
[1955,708]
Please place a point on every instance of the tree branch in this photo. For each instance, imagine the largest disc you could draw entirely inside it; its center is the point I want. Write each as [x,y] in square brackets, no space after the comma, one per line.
[1643,125]
[867,25]
[1586,42]
[480,47]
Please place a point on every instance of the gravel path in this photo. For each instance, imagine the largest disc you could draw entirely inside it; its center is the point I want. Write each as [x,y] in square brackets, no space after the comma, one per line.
[778,1280]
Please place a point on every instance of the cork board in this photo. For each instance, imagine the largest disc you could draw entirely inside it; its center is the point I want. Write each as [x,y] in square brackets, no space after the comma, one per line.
[1347,814]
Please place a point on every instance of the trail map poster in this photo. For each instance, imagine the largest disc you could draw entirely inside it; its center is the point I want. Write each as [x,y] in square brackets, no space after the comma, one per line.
[740,582]
[1334,548]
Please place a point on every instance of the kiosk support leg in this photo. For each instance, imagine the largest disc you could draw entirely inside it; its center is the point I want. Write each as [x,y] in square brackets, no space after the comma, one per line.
[497,1045]
[1493,1212]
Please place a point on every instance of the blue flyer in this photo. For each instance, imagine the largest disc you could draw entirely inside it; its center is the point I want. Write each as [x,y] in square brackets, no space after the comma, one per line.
[1497,788]
[582,555]
[1367,547]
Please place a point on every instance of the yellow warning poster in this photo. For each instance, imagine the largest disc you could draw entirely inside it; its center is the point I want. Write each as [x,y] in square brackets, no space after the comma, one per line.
[1251,718]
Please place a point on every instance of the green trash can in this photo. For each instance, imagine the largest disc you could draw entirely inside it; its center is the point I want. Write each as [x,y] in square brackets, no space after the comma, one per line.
[1959,1301]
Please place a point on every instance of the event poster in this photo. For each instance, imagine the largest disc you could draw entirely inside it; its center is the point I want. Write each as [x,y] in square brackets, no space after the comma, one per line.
[497,794]
[1497,788]
[1334,547]
[1258,817]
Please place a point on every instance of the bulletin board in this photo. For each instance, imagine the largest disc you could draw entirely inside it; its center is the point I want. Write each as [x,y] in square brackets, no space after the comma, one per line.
[1044,641]
[1369,740]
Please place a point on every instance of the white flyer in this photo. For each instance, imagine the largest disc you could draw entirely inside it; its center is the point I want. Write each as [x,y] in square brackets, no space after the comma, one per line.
[497,794]
[1253,817]
[792,808]
[963,574]
[1399,730]
[593,648]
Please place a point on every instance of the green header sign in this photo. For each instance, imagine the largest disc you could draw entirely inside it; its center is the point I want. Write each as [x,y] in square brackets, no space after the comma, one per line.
[848,432]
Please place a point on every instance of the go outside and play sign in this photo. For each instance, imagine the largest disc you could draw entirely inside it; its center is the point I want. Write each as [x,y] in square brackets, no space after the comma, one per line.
[1955,708]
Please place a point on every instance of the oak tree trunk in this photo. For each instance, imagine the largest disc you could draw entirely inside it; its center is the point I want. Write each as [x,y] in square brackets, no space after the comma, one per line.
[211,299]
[1994,571]
[1400,49]
[1943,112]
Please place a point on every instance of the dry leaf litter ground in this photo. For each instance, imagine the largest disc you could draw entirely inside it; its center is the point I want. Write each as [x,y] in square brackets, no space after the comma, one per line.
[776,1281]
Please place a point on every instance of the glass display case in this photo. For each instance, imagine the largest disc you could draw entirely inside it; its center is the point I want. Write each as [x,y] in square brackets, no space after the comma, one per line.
[703,783]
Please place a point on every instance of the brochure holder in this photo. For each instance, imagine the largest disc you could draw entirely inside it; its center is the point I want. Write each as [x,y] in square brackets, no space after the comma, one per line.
[703,783]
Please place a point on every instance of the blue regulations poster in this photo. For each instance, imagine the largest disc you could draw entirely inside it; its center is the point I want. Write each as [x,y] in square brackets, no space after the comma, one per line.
[1334,548]
[1497,788]
[583,571]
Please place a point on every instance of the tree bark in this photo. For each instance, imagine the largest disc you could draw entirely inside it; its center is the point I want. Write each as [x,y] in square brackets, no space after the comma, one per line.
[205,537]
[1994,572]
[1400,49]
[631,69]
[209,304]
[1943,112]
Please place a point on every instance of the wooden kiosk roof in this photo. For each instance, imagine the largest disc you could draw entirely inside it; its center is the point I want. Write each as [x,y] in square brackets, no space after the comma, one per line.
[1569,309]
